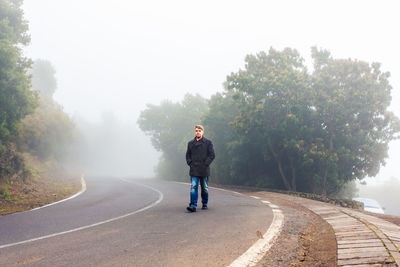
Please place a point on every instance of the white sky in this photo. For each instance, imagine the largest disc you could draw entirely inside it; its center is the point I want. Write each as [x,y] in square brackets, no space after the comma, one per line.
[119,55]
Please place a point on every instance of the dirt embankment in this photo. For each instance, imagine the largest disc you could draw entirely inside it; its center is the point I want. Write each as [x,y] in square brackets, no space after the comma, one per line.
[46,183]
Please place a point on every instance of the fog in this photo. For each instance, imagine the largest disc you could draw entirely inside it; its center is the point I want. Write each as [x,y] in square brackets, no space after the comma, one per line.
[111,147]
[114,57]
[387,194]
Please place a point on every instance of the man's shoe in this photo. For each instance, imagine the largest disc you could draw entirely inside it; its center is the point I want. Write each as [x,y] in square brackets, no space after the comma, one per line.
[191,209]
[204,207]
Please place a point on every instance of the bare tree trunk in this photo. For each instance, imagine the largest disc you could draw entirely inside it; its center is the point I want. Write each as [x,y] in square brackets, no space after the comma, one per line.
[325,177]
[293,175]
[283,176]
[324,182]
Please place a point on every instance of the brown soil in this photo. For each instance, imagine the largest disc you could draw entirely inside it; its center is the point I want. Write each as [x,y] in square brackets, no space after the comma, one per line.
[47,185]
[318,244]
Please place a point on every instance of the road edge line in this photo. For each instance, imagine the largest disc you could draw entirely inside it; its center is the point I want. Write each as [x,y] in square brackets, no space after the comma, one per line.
[161,197]
[83,189]
[257,251]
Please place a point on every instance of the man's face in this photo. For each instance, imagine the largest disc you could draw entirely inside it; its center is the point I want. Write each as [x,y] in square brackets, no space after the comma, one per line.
[198,133]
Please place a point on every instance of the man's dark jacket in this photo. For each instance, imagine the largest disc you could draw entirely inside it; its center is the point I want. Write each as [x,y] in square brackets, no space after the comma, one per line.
[199,156]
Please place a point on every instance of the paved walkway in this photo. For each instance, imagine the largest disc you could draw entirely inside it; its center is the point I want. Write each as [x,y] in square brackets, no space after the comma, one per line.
[362,240]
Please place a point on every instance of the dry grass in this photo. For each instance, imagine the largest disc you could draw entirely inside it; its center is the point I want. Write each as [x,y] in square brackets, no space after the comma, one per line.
[47,183]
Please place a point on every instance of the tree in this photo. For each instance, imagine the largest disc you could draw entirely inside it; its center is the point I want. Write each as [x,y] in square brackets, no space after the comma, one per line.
[43,78]
[239,160]
[222,110]
[351,98]
[273,96]
[320,130]
[48,132]
[16,98]
[278,125]
[171,126]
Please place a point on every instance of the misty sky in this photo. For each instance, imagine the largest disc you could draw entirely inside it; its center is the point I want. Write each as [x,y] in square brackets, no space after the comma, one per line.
[119,55]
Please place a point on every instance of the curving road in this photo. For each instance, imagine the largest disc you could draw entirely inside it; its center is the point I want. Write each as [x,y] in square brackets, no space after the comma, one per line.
[134,222]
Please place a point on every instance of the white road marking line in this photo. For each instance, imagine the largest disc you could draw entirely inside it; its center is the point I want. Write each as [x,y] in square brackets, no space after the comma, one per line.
[225,190]
[160,198]
[255,253]
[180,182]
[216,188]
[83,189]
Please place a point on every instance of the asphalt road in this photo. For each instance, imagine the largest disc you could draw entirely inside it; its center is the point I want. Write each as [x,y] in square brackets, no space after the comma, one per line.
[133,222]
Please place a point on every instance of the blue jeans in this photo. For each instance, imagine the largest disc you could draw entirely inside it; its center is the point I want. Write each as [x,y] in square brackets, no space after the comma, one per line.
[194,188]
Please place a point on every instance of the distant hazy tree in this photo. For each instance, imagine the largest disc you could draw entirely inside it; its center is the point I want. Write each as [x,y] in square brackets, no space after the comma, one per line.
[43,78]
[48,132]
[171,126]
[348,190]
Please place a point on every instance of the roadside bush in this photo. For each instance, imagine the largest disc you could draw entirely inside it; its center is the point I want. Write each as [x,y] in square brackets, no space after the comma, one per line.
[5,194]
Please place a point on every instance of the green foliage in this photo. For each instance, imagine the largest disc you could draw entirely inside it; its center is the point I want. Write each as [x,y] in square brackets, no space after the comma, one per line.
[272,95]
[44,131]
[351,99]
[348,190]
[47,133]
[11,162]
[16,98]
[222,110]
[277,125]
[171,126]
[238,160]
[13,27]
[322,130]
[5,194]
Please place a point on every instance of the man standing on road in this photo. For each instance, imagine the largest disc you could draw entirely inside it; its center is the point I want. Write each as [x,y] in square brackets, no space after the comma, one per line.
[199,155]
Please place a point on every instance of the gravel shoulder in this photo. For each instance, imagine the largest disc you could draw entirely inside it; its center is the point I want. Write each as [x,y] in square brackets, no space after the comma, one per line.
[306,239]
